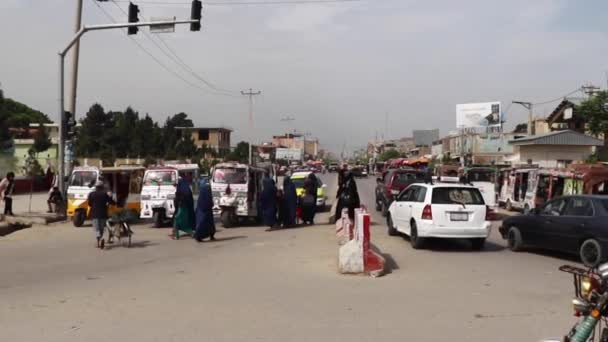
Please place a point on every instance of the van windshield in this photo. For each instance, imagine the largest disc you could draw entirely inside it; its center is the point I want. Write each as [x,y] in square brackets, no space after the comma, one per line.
[230,176]
[457,195]
[481,176]
[160,177]
[83,178]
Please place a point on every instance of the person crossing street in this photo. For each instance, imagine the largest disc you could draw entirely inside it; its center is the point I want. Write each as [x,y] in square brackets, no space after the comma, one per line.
[99,201]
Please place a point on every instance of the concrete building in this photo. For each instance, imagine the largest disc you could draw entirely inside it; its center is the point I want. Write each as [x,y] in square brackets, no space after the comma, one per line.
[477,148]
[217,138]
[555,149]
[310,146]
[425,137]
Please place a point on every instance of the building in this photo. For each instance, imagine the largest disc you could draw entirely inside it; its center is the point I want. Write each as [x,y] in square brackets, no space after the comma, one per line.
[476,148]
[297,141]
[425,137]
[565,116]
[555,149]
[217,138]
[24,140]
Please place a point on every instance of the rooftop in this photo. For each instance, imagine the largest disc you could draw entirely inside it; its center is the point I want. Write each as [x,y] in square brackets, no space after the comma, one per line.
[566,137]
[221,129]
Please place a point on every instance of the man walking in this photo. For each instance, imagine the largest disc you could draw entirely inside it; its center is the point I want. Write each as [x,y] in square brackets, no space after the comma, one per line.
[99,201]
[7,186]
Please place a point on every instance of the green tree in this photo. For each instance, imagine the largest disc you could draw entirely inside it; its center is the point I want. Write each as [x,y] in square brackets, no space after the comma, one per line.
[185,148]
[240,153]
[595,112]
[42,141]
[389,154]
[94,126]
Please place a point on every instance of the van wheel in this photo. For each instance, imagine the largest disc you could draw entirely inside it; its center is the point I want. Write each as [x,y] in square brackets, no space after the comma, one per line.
[416,241]
[509,206]
[591,253]
[391,228]
[514,239]
[78,218]
[226,219]
[159,219]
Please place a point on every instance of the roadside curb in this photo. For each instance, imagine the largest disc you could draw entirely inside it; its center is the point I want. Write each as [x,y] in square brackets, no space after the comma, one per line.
[29,219]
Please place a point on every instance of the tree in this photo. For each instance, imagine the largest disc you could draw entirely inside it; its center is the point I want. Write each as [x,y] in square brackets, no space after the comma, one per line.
[91,133]
[595,112]
[521,128]
[240,153]
[389,154]
[186,148]
[42,141]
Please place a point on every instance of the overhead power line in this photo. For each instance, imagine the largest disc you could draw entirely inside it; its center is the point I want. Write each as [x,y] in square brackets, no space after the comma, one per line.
[237,3]
[180,62]
[155,59]
[558,98]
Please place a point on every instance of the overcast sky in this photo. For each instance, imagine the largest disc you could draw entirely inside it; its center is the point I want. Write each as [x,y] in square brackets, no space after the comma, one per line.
[336,68]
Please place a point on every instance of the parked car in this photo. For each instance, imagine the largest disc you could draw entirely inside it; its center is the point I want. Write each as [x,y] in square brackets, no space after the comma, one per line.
[299,178]
[333,167]
[440,211]
[392,183]
[572,224]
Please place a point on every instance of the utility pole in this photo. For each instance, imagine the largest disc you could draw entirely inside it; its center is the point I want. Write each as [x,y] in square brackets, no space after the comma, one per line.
[75,57]
[251,94]
[530,107]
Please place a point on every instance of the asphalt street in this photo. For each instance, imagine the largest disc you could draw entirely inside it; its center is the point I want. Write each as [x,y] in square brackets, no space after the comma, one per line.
[254,285]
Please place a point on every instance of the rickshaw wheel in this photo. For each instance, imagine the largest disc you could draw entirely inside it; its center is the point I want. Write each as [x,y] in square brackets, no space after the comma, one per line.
[78,218]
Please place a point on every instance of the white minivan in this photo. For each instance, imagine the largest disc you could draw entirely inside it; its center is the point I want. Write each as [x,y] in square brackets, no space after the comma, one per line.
[441,210]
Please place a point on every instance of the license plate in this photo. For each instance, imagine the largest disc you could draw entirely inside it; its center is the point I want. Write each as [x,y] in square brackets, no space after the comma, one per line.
[459,217]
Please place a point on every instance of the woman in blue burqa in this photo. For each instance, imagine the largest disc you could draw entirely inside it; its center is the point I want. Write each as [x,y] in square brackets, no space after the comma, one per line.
[290,200]
[184,204]
[269,202]
[205,226]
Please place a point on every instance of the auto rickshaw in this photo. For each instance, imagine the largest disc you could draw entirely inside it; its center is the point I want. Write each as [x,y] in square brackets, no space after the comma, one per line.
[122,182]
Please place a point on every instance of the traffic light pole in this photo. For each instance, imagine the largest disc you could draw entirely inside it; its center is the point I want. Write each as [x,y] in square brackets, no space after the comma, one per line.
[62,54]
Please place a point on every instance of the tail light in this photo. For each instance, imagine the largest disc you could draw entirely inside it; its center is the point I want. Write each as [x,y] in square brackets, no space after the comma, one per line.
[427,212]
[490,215]
[228,190]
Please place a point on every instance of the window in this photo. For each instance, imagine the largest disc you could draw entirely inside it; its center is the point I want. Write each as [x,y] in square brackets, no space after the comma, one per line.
[457,195]
[554,208]
[83,178]
[578,207]
[203,134]
[404,195]
[605,203]
[407,178]
[421,195]
[413,197]
[160,177]
[230,176]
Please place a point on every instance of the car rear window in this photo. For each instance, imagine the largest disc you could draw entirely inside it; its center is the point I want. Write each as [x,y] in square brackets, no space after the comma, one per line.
[407,178]
[457,195]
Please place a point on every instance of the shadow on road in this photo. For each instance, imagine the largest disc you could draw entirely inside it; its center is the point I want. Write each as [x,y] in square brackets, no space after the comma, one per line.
[457,245]
[553,254]
[228,238]
[134,244]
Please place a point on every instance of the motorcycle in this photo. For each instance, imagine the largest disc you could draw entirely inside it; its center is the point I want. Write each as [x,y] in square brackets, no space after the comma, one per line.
[590,303]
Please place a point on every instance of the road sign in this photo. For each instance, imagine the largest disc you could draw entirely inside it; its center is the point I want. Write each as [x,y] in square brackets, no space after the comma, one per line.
[162,28]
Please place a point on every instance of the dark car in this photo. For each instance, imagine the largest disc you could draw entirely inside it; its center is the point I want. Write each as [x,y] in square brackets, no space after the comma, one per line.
[572,224]
[391,183]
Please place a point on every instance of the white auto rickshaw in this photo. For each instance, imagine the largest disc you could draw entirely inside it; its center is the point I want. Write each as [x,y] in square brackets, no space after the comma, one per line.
[158,192]
[236,190]
[123,182]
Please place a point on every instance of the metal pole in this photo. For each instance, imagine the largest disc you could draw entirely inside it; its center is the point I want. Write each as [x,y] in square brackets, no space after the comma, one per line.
[75,58]
[531,128]
[61,116]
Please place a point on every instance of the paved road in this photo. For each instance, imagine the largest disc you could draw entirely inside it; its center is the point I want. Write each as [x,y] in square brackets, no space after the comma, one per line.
[272,286]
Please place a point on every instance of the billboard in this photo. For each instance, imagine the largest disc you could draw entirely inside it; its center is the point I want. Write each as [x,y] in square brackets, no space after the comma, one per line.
[471,115]
[288,153]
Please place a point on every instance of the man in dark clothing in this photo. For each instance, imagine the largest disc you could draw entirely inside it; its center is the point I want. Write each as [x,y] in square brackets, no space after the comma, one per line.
[7,186]
[55,199]
[99,201]
[310,189]
[348,197]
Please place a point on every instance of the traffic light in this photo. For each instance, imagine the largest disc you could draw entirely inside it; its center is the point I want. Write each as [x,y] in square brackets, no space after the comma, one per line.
[133,18]
[69,126]
[197,8]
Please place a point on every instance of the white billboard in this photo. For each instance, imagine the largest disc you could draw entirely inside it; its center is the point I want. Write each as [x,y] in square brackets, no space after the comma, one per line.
[471,115]
[289,153]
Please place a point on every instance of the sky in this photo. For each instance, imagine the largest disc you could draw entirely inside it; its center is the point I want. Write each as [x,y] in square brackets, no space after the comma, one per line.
[340,69]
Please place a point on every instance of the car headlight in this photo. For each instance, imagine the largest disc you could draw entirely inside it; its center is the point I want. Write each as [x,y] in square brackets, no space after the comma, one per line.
[587,285]
[171,196]
[145,197]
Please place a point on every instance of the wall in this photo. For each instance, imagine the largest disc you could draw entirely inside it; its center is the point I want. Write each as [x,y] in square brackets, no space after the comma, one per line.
[548,155]
[46,158]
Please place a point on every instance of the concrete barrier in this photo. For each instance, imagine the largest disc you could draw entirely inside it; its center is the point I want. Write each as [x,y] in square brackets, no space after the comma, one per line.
[356,255]
[344,228]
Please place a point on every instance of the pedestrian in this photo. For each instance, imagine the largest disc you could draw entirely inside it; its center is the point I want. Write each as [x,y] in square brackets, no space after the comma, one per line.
[55,199]
[7,187]
[281,208]
[205,224]
[184,218]
[311,185]
[348,197]
[99,200]
[290,199]
[269,202]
